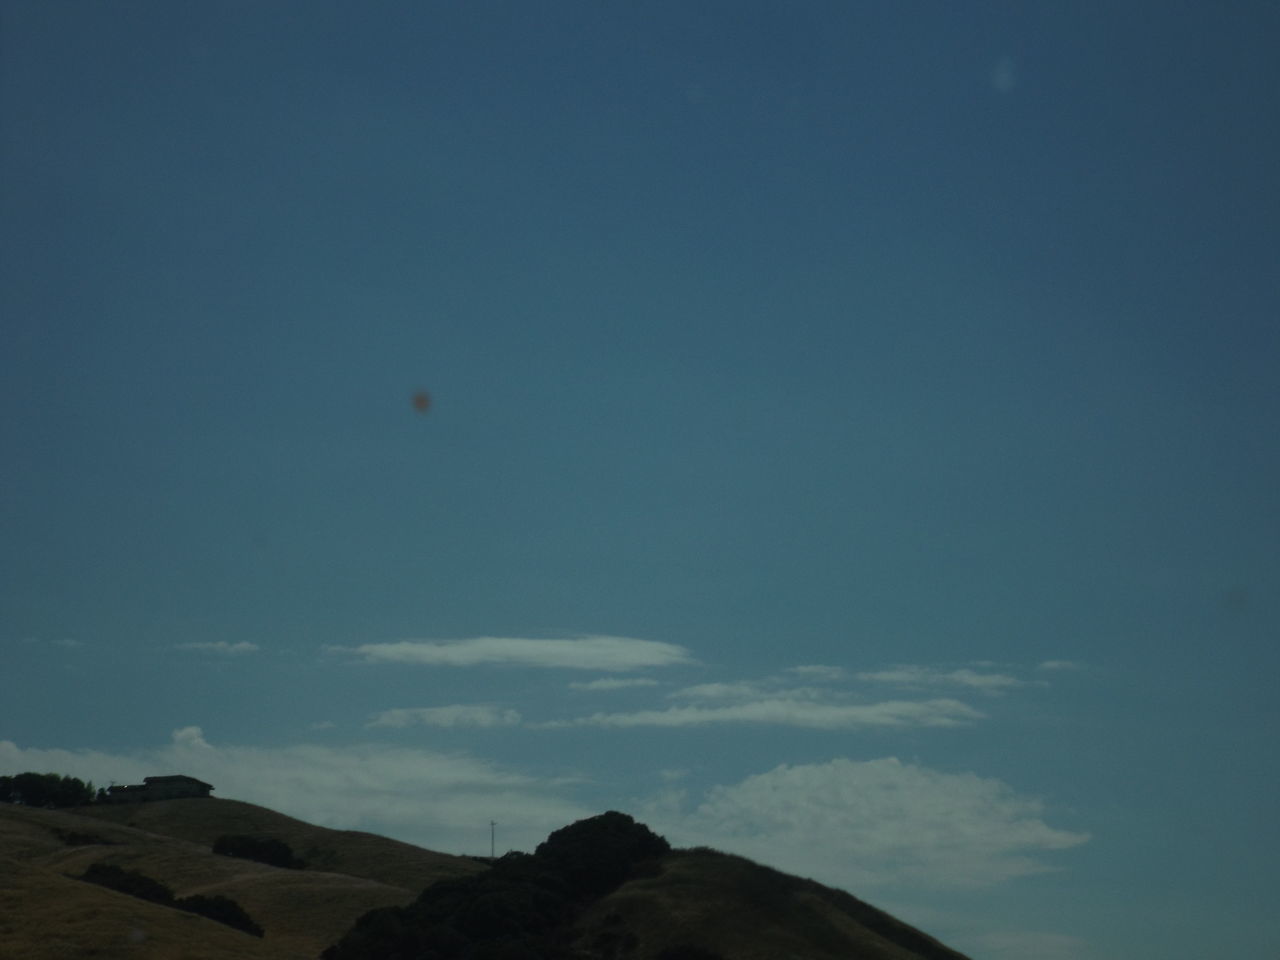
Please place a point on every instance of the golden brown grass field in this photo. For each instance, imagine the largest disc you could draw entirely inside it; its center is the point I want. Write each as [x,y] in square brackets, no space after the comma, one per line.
[45,914]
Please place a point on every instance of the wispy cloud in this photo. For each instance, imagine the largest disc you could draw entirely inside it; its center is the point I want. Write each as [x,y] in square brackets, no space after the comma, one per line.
[1060,665]
[818,671]
[740,690]
[220,646]
[793,713]
[455,715]
[614,654]
[871,824]
[66,642]
[612,683]
[923,676]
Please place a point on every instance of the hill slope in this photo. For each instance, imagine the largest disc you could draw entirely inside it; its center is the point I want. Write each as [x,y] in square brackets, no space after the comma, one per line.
[302,911]
[690,900]
[734,908]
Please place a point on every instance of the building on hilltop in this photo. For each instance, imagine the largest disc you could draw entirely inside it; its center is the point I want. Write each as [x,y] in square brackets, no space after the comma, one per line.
[159,788]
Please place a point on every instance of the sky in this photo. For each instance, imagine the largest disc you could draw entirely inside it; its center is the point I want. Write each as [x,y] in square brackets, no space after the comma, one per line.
[851,441]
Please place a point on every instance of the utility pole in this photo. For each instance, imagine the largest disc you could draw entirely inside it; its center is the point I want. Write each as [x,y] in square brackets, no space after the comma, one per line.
[492,824]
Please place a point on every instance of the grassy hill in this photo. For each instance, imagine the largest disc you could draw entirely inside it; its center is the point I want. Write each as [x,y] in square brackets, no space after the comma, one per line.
[45,915]
[723,905]
[734,908]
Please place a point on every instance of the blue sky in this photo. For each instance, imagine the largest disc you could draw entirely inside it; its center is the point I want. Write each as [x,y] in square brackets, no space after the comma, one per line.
[852,439]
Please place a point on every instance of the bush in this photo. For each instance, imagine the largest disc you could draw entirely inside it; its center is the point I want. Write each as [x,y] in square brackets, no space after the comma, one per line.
[45,790]
[275,853]
[128,881]
[597,854]
[687,951]
[222,909]
[522,908]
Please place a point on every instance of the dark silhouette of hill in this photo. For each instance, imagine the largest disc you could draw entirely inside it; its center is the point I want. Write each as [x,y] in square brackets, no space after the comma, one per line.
[605,888]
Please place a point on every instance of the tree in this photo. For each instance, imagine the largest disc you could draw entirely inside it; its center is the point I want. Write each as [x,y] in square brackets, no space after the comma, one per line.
[597,854]
[222,909]
[128,881]
[268,850]
[45,790]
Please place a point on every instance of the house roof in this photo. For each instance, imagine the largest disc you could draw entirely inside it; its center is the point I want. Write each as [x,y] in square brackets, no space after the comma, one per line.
[177,778]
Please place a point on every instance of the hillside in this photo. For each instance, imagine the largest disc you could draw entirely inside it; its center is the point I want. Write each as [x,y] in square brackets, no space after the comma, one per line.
[734,908]
[713,904]
[45,915]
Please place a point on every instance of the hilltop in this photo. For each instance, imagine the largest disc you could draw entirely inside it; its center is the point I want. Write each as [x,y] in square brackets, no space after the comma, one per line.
[713,904]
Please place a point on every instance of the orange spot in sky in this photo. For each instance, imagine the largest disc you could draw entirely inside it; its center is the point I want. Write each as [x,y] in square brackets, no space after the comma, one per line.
[421,401]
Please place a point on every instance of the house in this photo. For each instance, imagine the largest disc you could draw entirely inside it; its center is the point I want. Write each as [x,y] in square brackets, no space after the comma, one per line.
[159,788]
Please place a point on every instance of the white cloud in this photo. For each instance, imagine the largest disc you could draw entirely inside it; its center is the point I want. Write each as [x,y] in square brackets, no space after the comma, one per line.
[718,691]
[442,801]
[1060,665]
[795,713]
[582,653]
[456,715]
[220,646]
[819,671]
[609,683]
[874,824]
[67,642]
[919,676]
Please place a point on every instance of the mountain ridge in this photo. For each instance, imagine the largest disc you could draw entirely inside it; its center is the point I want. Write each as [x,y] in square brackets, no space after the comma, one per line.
[725,906]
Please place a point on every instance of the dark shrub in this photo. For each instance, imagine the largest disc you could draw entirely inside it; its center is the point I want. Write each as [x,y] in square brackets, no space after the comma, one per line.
[275,853]
[687,951]
[74,838]
[128,881]
[597,854]
[522,908]
[45,790]
[222,909]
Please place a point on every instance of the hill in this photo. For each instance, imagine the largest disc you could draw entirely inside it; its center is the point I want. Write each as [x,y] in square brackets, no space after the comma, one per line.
[45,914]
[686,903]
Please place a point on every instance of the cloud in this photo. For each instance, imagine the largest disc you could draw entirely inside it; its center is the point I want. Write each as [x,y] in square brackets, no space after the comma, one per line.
[919,676]
[457,715]
[1060,665]
[874,824]
[609,683]
[220,646]
[744,690]
[66,642]
[442,801]
[794,713]
[583,653]
[819,671]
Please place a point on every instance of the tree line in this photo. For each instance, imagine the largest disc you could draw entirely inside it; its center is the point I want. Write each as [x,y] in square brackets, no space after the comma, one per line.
[224,910]
[523,907]
[47,790]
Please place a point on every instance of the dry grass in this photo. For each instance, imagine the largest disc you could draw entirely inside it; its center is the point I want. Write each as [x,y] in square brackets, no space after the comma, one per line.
[738,909]
[48,914]
[338,851]
[727,905]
